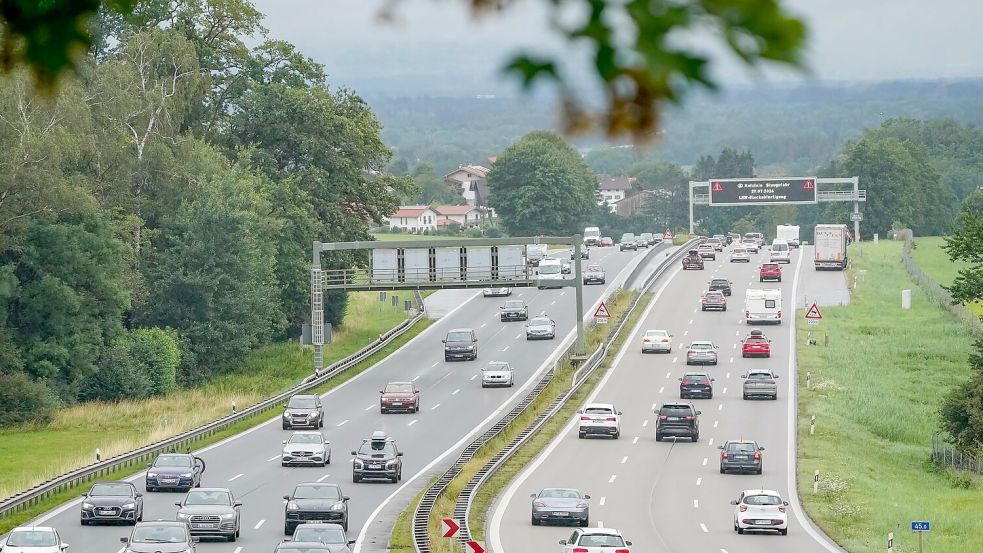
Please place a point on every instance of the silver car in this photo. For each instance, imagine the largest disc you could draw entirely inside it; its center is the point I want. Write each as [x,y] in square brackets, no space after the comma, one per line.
[210,512]
[306,448]
[330,534]
[497,373]
[760,383]
[740,255]
[702,353]
[594,274]
[560,505]
[541,328]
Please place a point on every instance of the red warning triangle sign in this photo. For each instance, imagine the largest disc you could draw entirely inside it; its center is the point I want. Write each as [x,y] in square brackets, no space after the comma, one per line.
[808,185]
[602,311]
[717,187]
[813,313]
[667,235]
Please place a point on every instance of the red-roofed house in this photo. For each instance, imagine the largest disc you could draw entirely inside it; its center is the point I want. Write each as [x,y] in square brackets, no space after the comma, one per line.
[614,189]
[464,180]
[464,215]
[413,218]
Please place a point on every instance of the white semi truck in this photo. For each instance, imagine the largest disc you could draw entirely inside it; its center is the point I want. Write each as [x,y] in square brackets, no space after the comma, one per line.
[831,243]
[788,233]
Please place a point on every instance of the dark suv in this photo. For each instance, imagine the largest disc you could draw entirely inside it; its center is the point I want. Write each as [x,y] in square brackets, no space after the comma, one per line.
[693,260]
[514,310]
[378,457]
[303,411]
[460,343]
[698,385]
[720,285]
[677,419]
[740,456]
[315,502]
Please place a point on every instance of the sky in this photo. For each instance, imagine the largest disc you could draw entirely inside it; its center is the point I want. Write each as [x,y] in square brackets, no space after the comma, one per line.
[435,47]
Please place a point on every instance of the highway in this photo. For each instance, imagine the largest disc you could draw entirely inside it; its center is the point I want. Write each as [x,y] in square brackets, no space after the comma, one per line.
[454,407]
[669,497]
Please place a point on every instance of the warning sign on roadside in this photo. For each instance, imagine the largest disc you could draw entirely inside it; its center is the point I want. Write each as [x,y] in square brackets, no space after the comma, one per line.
[602,312]
[667,235]
[717,187]
[813,313]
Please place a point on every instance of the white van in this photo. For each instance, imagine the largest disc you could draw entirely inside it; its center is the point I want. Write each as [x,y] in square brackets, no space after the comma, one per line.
[763,306]
[535,253]
[550,269]
[780,252]
[592,236]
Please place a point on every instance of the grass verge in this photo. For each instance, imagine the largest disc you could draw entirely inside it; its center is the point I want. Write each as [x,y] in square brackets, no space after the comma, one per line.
[932,259]
[295,357]
[680,239]
[876,392]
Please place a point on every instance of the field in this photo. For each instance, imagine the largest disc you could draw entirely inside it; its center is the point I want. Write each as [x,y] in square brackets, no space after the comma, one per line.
[119,427]
[930,256]
[876,392]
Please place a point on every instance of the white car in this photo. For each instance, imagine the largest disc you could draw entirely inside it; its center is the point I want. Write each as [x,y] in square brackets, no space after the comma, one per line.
[657,340]
[751,245]
[760,510]
[497,373]
[595,540]
[740,255]
[33,539]
[600,419]
[306,447]
[496,292]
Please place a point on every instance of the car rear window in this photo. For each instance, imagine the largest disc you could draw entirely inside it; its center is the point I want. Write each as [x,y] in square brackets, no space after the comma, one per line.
[676,410]
[458,336]
[738,447]
[598,411]
[695,379]
[770,266]
[763,500]
[759,376]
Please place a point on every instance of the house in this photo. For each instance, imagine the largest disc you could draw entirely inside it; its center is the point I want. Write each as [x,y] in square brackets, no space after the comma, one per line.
[612,190]
[464,180]
[413,218]
[464,215]
[632,204]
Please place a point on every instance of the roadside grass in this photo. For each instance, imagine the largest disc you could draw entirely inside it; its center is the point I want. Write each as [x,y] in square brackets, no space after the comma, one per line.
[119,427]
[401,236]
[876,393]
[444,506]
[680,239]
[930,256]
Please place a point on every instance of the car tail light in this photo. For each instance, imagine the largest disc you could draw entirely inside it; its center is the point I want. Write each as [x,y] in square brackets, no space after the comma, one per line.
[743,508]
[611,419]
[585,418]
[580,550]
[779,314]
[781,508]
[757,456]
[689,417]
[704,300]
[723,454]
[662,417]
[621,551]
[647,340]
[665,340]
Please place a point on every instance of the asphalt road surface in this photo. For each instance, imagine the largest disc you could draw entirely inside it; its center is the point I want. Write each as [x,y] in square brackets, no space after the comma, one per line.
[453,407]
[669,496]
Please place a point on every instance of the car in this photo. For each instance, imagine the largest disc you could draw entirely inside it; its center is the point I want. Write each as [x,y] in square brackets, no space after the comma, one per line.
[740,456]
[599,419]
[33,539]
[211,512]
[693,260]
[720,285]
[595,540]
[497,373]
[307,447]
[760,383]
[115,501]
[696,385]
[607,242]
[305,547]
[677,419]
[399,396]
[514,310]
[770,271]
[702,353]
[560,505]
[535,253]
[566,268]
[174,471]
[657,340]
[707,251]
[740,255]
[460,343]
[154,536]
[760,510]
[627,242]
[755,344]
[303,411]
[315,501]
[779,252]
[541,328]
[377,458]
[757,237]
[584,253]
[550,274]
[645,240]
[594,274]
[501,291]
[713,300]
[716,243]
[324,533]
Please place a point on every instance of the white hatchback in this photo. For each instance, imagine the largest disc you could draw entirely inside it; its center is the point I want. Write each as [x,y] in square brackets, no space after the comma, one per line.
[601,419]
[760,510]
[739,255]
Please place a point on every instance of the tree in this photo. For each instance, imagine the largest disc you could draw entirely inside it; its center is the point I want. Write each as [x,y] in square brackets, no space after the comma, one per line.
[666,186]
[962,409]
[432,190]
[540,185]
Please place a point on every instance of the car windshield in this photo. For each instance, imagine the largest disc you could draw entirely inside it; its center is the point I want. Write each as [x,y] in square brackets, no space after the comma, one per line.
[759,376]
[598,411]
[305,439]
[626,237]
[205,497]
[323,535]
[173,461]
[378,448]
[497,367]
[701,346]
[720,282]
[755,339]
[602,540]
[741,447]
[549,269]
[458,336]
[111,490]
[779,247]
[675,411]
[538,321]
[159,534]
[515,304]
[763,499]
[32,538]
[302,403]
[560,493]
[311,491]
[399,388]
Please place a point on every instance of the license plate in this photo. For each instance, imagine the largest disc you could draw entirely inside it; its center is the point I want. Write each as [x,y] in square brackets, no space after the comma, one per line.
[560,514]
[375,466]
[105,511]
[168,481]
[762,522]
[672,418]
[204,526]
[740,457]
[397,404]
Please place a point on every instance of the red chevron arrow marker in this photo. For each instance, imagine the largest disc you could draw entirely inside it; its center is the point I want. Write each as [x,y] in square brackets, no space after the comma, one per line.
[449,527]
[476,547]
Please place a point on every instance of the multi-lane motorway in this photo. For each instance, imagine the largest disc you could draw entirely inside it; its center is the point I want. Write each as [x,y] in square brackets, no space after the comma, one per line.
[669,497]
[454,407]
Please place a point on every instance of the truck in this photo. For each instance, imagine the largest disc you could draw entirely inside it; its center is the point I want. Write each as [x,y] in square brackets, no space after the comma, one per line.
[830,242]
[592,236]
[788,233]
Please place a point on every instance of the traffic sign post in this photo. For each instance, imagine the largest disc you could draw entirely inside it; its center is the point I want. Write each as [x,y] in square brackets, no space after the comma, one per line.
[601,314]
[920,527]
[813,315]
[667,235]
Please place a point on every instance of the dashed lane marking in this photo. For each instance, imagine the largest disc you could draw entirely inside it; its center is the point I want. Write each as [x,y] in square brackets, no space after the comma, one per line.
[705,461]
[624,459]
[634,441]
[274,458]
[704,528]
[258,524]
[236,477]
[412,422]
[696,503]
[342,423]
[323,478]
[645,423]
[435,406]
[699,481]
[602,501]
[454,393]
[612,479]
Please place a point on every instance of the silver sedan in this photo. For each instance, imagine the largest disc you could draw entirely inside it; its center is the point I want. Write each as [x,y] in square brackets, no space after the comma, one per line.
[560,505]
[702,353]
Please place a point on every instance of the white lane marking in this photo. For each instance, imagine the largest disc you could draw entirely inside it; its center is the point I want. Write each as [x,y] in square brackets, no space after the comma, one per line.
[323,478]
[722,550]
[635,441]
[236,477]
[258,524]
[674,359]
[731,359]
[686,333]
[454,393]
[624,459]
[435,364]
[668,374]
[691,321]
[483,325]
[414,378]
[274,458]
[711,442]
[660,391]
[735,346]
[645,423]
[517,336]
[715,423]
[728,375]
[435,406]
[699,481]
[602,501]
[705,460]
[506,348]
[654,405]
[600,524]
[695,310]
[473,377]
[553,302]
[237,549]
[612,479]
[737,333]
[720,407]
[411,423]
[342,423]
[704,528]
[725,390]
[696,503]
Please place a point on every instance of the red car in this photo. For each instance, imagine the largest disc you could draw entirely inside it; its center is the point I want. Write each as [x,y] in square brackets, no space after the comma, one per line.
[607,242]
[399,396]
[756,345]
[770,271]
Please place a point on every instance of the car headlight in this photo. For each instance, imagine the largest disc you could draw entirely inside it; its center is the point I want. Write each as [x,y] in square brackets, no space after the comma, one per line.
[292,506]
[390,464]
[86,505]
[151,475]
[358,464]
[186,475]
[129,505]
[311,415]
[229,516]
[182,516]
[286,415]
[338,507]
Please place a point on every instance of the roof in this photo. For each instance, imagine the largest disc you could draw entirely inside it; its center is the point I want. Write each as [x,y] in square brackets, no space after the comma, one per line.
[477,170]
[410,211]
[454,209]
[600,531]
[607,182]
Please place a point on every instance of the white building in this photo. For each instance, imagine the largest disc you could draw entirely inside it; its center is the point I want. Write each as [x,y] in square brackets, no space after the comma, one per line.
[464,215]
[413,218]
[614,189]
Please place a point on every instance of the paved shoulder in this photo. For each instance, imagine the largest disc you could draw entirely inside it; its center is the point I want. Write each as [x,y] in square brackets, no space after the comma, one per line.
[822,287]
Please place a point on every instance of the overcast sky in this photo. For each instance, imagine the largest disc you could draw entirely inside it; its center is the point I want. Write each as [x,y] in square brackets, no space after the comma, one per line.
[436,48]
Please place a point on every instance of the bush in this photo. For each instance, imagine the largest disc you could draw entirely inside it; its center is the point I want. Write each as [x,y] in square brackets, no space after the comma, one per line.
[23,400]
[155,351]
[120,377]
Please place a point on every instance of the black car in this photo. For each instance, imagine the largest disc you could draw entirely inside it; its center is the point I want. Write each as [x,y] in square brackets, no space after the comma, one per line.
[696,385]
[677,419]
[720,285]
[112,502]
[315,501]
[303,411]
[514,310]
[174,471]
[305,547]
[740,456]
[158,536]
[460,343]
[378,458]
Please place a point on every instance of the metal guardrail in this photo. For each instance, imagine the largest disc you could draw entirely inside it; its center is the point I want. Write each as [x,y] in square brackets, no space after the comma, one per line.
[141,455]
[462,508]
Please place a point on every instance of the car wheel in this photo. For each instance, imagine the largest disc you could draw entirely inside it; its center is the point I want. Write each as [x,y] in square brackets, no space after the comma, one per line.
[483,385]
[84,522]
[761,280]
[345,525]
[286,426]
[231,537]
[320,422]
[725,308]
[581,435]
[740,530]
[328,460]
[658,437]
[696,437]
[356,479]
[584,523]
[140,518]
[617,434]
[150,489]
[399,476]
[710,396]
[237,531]
[783,531]
[723,470]
[779,280]
[533,520]
[382,411]
[774,397]
[745,396]
[758,471]
[703,308]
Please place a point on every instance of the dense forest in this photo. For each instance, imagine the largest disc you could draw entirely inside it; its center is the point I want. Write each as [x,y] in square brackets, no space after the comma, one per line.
[157,212]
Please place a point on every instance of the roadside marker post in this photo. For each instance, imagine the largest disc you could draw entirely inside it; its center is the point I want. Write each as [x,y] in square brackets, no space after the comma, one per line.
[812,426]
[815,482]
[920,527]
[890,542]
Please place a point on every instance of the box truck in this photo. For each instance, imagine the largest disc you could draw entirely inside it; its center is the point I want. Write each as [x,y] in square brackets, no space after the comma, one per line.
[788,233]
[830,242]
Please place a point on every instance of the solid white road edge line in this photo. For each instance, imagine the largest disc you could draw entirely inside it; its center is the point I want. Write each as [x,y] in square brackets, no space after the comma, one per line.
[496,519]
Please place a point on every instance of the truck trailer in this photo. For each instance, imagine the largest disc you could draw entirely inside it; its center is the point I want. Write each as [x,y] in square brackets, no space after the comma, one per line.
[831,247]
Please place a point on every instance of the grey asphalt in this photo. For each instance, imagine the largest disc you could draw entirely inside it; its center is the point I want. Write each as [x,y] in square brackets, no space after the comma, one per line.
[454,406]
[669,496]
[823,287]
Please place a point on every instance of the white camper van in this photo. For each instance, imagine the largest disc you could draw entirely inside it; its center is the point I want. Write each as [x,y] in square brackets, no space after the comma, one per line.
[763,307]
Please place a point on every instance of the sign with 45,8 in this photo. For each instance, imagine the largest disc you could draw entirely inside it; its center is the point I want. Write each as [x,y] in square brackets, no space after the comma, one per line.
[921,526]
